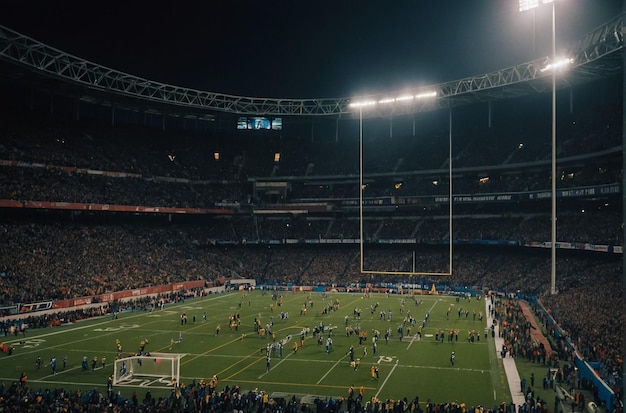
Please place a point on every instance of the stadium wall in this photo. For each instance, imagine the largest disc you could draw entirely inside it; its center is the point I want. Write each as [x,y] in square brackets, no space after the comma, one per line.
[121,295]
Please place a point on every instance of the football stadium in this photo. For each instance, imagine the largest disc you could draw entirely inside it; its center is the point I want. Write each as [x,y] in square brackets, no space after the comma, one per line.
[452,245]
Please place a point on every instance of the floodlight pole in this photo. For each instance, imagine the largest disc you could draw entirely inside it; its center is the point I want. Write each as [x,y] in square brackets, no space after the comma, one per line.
[553,195]
[525,6]
[361,185]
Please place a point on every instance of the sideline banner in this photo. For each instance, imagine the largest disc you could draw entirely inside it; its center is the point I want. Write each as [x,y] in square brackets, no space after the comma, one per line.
[118,295]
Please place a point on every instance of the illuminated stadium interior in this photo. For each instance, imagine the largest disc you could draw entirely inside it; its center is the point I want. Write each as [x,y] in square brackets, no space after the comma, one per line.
[445,188]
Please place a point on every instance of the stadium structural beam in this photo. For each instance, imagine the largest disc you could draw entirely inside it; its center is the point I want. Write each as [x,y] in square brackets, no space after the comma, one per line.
[591,56]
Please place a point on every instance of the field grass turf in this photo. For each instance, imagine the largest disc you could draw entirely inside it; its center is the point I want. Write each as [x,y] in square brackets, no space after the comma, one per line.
[407,368]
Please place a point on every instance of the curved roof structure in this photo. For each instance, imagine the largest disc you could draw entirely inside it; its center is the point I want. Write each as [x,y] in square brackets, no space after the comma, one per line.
[597,54]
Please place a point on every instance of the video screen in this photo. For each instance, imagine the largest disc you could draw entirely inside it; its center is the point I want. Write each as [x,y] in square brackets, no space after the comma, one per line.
[259,123]
[242,123]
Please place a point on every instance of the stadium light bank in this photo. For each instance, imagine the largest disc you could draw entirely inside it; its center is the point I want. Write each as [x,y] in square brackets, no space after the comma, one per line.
[557,65]
[385,101]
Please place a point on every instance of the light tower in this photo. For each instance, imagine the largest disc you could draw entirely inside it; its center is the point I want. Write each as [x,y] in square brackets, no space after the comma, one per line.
[525,5]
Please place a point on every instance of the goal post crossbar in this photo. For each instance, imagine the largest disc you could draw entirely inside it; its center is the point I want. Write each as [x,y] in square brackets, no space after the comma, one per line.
[362,186]
[407,273]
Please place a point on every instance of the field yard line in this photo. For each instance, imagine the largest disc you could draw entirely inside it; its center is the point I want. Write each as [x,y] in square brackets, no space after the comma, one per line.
[240,361]
[356,300]
[386,378]
[228,343]
[69,383]
[43,379]
[329,370]
[62,331]
[242,369]
[433,306]
[278,364]
[411,342]
[245,358]
[108,320]
[74,328]
[37,349]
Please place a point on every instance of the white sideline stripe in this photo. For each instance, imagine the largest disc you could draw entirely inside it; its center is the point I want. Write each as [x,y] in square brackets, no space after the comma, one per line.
[386,378]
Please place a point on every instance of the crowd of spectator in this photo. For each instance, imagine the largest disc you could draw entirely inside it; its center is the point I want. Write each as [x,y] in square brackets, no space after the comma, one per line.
[196,398]
[95,255]
[76,185]
[94,258]
[217,166]
[591,334]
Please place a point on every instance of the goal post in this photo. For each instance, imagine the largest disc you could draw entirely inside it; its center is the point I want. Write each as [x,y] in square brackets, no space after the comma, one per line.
[436,270]
[164,367]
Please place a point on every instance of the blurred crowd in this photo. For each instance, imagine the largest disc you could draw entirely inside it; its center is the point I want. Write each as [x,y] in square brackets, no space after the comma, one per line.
[196,398]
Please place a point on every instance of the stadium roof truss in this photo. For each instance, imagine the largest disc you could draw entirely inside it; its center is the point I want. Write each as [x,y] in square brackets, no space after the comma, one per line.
[594,56]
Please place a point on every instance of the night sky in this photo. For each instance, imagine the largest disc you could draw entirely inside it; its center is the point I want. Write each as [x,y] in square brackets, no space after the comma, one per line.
[305,49]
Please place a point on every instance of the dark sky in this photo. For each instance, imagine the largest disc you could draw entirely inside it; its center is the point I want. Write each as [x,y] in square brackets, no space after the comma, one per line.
[304,49]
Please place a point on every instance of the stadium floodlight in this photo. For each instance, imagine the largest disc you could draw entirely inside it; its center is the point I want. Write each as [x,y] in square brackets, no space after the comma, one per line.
[525,5]
[558,64]
[404,98]
[387,100]
[426,95]
[362,103]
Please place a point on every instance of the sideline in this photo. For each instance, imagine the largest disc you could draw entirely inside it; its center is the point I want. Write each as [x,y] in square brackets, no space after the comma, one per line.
[536,331]
[512,375]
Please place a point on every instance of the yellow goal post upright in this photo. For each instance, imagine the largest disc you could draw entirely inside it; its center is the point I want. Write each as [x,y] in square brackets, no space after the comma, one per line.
[414,271]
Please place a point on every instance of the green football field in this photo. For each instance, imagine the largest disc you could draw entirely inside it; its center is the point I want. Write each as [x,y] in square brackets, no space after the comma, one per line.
[407,368]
